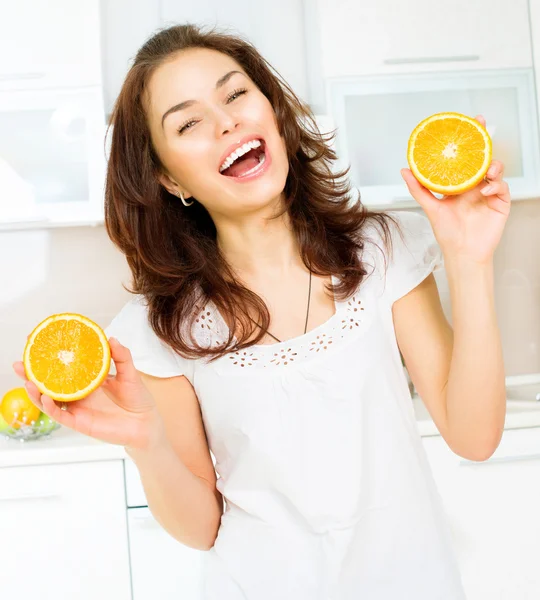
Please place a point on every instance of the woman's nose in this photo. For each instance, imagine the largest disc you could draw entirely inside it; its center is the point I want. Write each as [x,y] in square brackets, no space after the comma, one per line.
[226,122]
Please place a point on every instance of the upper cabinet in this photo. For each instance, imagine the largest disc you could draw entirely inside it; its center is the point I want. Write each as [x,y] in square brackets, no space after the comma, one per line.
[52,155]
[52,118]
[50,44]
[392,36]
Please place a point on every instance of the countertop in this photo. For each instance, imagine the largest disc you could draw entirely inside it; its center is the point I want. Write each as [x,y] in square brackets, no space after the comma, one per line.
[67,446]
[63,446]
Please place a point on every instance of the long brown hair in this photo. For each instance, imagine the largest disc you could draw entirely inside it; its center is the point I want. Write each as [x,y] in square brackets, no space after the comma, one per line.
[172,250]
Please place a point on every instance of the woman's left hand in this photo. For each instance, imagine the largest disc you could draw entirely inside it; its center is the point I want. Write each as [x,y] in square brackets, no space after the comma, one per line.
[468,225]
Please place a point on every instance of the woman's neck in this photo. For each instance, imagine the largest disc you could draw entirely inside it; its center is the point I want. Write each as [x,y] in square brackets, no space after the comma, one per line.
[259,246]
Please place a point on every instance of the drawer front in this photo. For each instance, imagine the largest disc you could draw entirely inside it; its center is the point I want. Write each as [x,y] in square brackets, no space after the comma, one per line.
[64,531]
[161,566]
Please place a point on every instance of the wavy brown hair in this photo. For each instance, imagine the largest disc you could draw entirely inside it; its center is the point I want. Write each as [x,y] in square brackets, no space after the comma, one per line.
[172,250]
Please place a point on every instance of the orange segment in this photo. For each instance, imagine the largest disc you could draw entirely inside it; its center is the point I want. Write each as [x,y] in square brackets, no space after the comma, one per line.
[67,356]
[449,153]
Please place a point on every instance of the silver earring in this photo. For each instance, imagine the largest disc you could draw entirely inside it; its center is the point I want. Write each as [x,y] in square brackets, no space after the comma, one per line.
[181,196]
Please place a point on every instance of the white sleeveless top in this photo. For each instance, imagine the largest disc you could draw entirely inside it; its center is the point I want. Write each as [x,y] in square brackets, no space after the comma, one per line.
[328,491]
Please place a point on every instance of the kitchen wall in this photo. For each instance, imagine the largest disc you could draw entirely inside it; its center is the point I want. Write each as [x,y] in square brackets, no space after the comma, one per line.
[517,289]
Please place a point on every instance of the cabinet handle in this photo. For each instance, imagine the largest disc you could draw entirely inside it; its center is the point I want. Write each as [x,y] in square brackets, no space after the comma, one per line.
[29,496]
[147,521]
[431,59]
[19,76]
[500,459]
[145,518]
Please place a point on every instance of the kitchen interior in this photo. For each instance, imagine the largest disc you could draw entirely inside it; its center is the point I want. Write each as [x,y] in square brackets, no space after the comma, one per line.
[73,515]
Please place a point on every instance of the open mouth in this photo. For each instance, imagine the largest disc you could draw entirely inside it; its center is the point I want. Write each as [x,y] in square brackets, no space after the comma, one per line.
[245,160]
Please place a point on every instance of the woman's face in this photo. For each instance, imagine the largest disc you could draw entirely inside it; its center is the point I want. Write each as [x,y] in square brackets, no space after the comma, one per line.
[216,134]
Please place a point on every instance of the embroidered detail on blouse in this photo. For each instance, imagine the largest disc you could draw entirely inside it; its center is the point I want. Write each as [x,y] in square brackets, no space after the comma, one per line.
[321,342]
[284,357]
[348,319]
[243,358]
[351,318]
[204,319]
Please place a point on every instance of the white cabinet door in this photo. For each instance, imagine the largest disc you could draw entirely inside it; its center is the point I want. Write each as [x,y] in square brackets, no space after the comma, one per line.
[63,531]
[494,515]
[161,567]
[52,159]
[389,36]
[49,44]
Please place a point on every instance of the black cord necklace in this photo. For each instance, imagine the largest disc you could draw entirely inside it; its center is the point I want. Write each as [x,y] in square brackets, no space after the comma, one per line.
[307,315]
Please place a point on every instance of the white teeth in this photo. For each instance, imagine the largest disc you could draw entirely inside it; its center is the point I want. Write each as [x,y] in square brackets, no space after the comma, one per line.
[239,152]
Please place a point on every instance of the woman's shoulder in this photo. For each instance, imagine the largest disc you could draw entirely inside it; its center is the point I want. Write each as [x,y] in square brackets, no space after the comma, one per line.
[131,326]
[402,251]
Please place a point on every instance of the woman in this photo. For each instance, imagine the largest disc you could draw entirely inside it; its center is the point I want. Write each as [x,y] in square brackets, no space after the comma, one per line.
[269,316]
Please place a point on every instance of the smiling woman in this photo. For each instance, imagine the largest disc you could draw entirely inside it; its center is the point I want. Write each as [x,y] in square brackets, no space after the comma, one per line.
[269,314]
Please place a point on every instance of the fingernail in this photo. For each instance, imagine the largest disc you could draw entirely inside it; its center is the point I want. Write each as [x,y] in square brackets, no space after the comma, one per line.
[492,172]
[487,190]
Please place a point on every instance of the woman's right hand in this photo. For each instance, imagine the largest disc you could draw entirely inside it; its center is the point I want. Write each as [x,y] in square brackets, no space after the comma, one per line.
[121,411]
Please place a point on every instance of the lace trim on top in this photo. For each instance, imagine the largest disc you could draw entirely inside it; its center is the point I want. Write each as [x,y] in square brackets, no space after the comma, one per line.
[346,321]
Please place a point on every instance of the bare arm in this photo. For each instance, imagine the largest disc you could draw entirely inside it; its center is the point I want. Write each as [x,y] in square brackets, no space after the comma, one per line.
[460,374]
[176,470]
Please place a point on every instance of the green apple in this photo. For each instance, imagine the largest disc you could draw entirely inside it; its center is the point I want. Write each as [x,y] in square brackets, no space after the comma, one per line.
[4,427]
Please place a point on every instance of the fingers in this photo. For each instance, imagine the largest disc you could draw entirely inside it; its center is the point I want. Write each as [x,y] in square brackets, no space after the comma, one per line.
[481,120]
[51,409]
[497,188]
[34,394]
[18,367]
[48,405]
[125,369]
[499,205]
[495,171]
[422,195]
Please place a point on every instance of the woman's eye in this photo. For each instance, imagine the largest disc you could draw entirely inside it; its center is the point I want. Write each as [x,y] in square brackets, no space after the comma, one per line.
[186,126]
[234,95]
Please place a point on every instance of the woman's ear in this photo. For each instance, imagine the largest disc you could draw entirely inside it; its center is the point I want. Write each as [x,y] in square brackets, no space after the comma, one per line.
[171,186]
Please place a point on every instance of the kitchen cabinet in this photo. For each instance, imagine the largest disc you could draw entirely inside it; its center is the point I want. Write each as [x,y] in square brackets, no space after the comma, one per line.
[52,118]
[161,567]
[52,158]
[50,44]
[494,516]
[376,115]
[64,533]
[389,36]
[74,522]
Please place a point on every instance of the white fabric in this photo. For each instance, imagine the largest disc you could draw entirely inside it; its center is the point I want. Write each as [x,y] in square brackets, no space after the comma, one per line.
[328,491]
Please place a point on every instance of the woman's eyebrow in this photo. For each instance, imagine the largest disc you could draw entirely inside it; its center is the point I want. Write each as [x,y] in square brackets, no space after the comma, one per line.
[187,103]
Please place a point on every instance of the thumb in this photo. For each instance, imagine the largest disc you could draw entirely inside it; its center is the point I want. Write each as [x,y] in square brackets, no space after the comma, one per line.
[421,194]
[123,361]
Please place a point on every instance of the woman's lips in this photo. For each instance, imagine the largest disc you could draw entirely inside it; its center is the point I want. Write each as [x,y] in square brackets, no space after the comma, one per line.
[259,170]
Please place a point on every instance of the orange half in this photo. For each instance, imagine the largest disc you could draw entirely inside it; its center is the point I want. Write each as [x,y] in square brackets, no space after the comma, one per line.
[67,356]
[449,153]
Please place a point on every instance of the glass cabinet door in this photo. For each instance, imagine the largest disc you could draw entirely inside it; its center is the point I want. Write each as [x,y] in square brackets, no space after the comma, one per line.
[52,154]
[375,117]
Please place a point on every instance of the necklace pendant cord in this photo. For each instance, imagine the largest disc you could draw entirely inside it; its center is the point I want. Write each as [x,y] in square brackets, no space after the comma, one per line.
[307,315]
